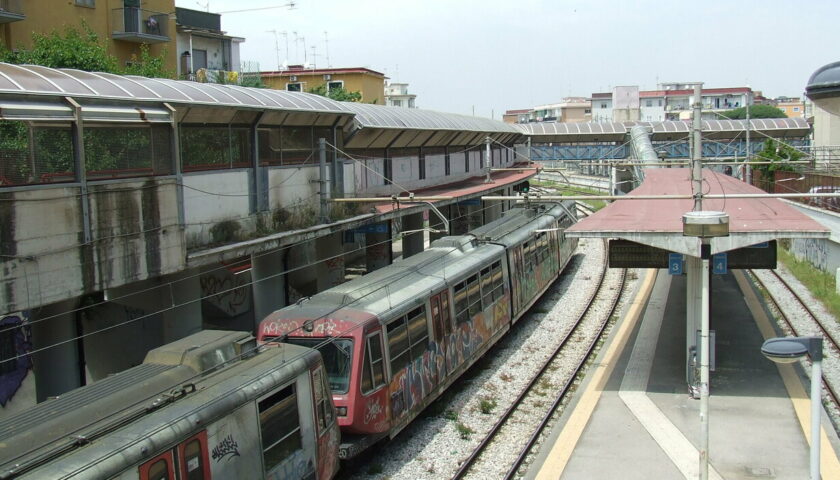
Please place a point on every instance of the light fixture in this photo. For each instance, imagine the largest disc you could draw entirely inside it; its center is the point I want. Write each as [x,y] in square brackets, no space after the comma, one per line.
[790,350]
[705,224]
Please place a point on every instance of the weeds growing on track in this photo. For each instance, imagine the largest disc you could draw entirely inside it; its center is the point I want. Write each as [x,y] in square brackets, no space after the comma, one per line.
[822,285]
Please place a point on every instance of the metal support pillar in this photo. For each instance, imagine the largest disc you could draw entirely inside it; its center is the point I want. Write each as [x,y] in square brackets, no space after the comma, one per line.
[322,180]
[697,149]
[747,166]
[704,367]
[436,223]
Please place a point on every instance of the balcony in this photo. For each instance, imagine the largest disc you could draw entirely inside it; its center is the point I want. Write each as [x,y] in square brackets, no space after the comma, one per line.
[11,11]
[132,24]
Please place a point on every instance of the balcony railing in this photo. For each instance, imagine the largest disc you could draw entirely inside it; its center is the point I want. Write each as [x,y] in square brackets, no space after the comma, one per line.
[11,11]
[132,24]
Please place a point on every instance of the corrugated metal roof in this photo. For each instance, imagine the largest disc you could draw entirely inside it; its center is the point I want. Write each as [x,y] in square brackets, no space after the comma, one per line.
[378,116]
[38,80]
[558,132]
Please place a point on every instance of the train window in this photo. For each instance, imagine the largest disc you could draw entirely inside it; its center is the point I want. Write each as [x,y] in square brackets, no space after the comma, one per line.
[418,331]
[323,407]
[461,305]
[498,281]
[279,427]
[444,308]
[373,371]
[486,287]
[158,468]
[437,317]
[192,458]
[337,355]
[474,293]
[398,344]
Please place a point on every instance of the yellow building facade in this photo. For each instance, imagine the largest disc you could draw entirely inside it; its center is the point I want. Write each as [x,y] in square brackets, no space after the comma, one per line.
[123,25]
[369,83]
[792,108]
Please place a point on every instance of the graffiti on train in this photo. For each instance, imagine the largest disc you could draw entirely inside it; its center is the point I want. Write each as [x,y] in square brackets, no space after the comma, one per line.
[413,383]
[321,326]
[226,446]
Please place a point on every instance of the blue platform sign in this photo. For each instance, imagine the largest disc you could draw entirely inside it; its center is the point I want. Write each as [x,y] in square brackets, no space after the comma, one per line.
[760,245]
[719,263]
[373,228]
[675,264]
[470,202]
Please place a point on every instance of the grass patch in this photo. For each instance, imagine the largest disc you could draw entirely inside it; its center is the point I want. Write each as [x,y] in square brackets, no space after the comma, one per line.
[821,284]
[464,431]
[487,405]
[450,415]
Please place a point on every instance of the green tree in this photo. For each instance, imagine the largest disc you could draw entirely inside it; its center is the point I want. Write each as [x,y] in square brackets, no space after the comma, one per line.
[756,111]
[780,155]
[83,50]
[339,94]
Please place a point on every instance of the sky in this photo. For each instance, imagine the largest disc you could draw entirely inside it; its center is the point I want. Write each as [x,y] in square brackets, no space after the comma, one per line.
[482,57]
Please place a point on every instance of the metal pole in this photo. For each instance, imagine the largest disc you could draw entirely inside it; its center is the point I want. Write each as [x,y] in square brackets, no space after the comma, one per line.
[488,160]
[322,181]
[747,167]
[816,405]
[704,366]
[697,153]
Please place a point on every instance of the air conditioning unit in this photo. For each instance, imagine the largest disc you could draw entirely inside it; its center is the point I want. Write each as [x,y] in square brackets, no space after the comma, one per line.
[293,78]
[327,77]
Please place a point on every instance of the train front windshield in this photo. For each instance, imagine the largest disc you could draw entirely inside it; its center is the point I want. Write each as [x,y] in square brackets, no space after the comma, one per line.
[338,355]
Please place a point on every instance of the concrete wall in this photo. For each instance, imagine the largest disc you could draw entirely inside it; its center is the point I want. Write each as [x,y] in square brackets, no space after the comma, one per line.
[213,197]
[435,166]
[134,232]
[826,128]
[822,253]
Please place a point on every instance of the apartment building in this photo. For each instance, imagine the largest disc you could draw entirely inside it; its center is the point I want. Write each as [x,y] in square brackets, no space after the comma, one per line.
[123,25]
[298,78]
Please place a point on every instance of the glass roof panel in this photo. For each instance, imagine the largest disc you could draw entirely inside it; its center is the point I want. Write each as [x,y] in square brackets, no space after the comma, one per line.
[96,83]
[65,82]
[28,80]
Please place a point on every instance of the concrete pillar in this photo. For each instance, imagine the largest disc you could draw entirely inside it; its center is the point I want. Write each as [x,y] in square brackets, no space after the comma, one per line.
[493,209]
[57,369]
[185,294]
[412,242]
[300,279]
[475,216]
[329,250]
[269,287]
[693,303]
[436,223]
[378,247]
[459,220]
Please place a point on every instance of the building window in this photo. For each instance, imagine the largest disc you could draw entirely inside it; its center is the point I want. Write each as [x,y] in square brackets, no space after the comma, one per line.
[86,3]
[397,103]
[333,85]
[659,103]
[294,87]
[603,105]
[648,103]
[795,109]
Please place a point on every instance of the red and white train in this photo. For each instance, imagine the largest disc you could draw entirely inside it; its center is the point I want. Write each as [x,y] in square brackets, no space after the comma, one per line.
[395,339]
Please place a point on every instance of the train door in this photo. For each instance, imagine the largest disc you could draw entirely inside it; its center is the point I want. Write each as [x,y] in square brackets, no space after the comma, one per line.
[441,328]
[327,428]
[187,461]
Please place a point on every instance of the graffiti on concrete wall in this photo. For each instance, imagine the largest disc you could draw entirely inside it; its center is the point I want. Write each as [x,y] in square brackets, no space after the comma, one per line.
[229,292]
[15,346]
[813,250]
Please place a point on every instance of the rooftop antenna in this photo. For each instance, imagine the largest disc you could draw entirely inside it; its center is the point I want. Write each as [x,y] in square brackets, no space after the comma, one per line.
[314,56]
[205,5]
[290,6]
[276,46]
[327,49]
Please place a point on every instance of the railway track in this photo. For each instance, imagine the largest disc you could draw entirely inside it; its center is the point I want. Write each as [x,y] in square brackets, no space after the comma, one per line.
[785,317]
[521,410]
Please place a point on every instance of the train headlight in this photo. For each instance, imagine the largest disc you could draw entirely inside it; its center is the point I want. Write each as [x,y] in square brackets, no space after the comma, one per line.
[309,325]
[341,411]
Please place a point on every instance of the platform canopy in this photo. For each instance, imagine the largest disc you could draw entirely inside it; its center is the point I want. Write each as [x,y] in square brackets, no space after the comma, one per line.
[548,132]
[658,223]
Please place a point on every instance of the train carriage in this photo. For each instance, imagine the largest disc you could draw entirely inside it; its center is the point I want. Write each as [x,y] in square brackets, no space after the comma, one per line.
[228,411]
[396,338]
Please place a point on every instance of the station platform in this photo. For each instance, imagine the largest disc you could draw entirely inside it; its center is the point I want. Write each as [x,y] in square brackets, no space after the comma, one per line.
[633,418]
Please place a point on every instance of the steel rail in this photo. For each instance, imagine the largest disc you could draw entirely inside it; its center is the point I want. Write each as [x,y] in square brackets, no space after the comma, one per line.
[467,464]
[835,397]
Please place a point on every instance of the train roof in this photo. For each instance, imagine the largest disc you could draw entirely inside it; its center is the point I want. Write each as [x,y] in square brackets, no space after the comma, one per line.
[509,231]
[153,391]
[396,286]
